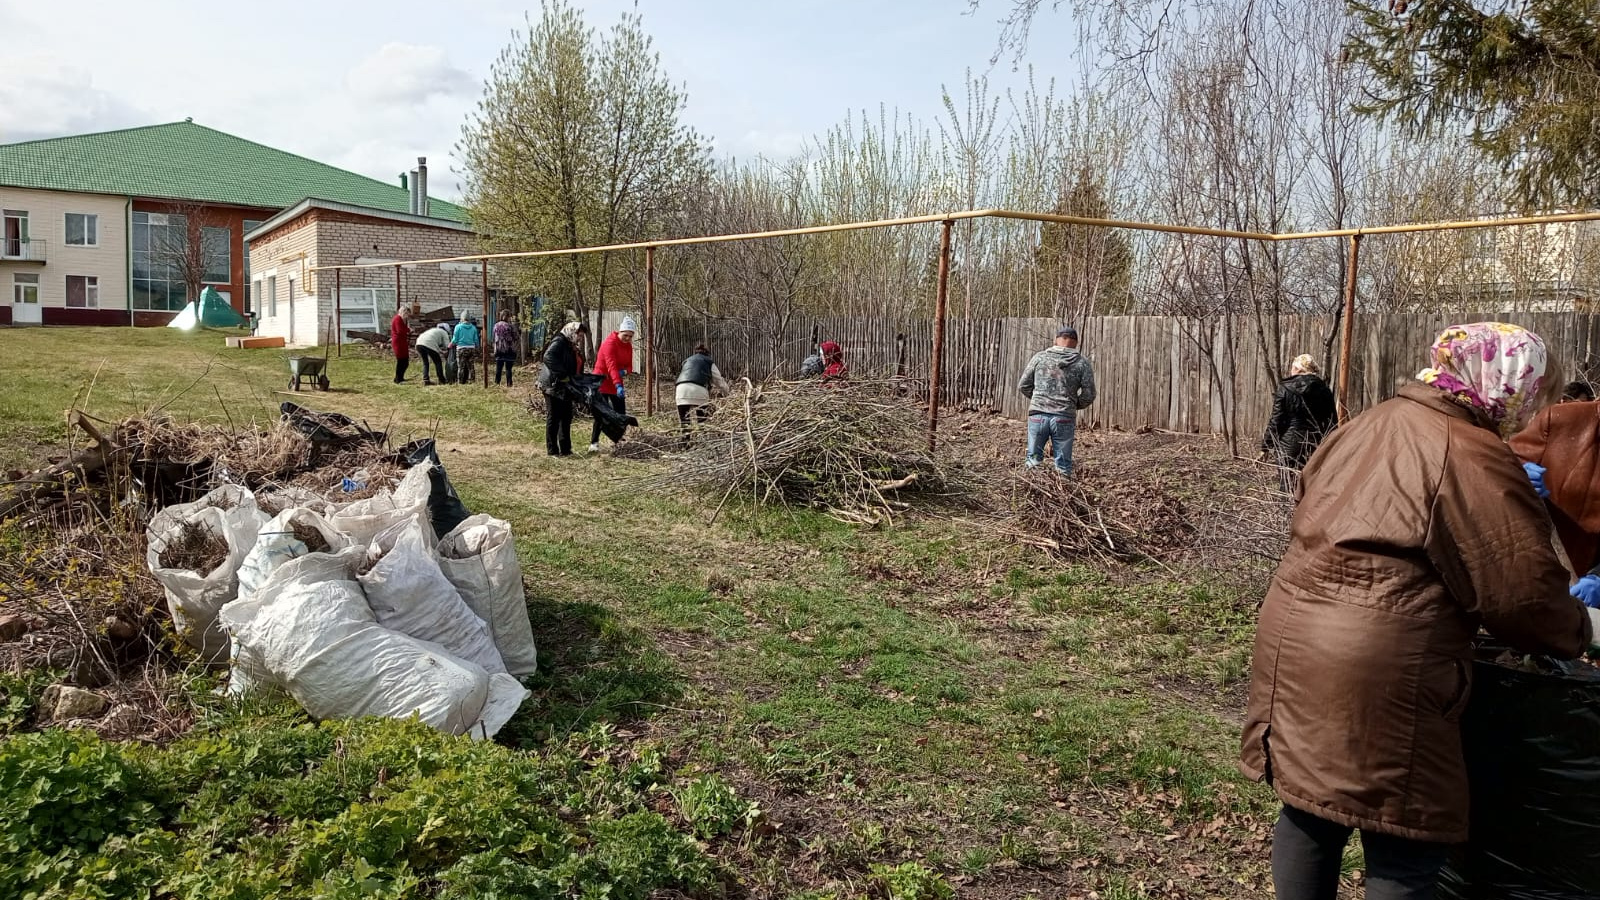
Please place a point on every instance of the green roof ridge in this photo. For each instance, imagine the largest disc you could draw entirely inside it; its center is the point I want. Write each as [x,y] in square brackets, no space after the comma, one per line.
[220,168]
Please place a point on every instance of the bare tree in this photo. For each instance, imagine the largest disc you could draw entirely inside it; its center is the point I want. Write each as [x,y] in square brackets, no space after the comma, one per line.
[182,247]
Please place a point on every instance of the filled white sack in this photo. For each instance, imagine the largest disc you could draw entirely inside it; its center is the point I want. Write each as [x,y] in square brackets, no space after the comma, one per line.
[322,644]
[193,597]
[364,520]
[480,558]
[249,673]
[409,593]
[276,544]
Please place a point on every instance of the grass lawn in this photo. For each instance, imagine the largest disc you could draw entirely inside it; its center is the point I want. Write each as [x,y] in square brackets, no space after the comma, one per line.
[879,702]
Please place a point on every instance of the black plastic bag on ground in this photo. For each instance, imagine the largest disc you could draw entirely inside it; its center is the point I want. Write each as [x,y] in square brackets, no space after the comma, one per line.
[445,509]
[585,390]
[1533,753]
[329,432]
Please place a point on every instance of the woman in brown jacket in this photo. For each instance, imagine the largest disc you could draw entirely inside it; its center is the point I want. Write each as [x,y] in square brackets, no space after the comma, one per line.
[1416,525]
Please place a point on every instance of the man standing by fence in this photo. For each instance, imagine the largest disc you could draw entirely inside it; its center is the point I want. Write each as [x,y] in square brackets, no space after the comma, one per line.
[1058,381]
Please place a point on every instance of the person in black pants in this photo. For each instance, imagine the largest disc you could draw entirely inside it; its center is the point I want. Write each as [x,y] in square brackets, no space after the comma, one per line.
[505,346]
[561,361]
[1308,852]
[432,346]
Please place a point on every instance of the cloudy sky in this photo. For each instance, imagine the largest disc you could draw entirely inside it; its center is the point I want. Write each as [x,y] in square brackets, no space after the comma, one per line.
[371,85]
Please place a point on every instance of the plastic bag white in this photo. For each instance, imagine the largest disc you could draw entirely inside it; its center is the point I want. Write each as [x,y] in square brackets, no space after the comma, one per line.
[364,520]
[480,559]
[408,593]
[276,545]
[249,673]
[321,642]
[193,598]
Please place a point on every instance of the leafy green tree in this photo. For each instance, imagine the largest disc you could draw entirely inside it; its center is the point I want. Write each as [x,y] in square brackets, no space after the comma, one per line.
[1523,76]
[578,141]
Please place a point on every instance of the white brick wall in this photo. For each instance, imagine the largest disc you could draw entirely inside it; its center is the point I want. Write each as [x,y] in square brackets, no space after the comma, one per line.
[47,221]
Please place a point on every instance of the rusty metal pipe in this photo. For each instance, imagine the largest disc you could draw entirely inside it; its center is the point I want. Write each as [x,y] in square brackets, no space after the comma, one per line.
[936,363]
[1349,325]
[650,331]
[483,334]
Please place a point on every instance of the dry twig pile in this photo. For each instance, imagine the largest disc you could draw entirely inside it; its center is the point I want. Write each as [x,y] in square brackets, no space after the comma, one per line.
[856,452]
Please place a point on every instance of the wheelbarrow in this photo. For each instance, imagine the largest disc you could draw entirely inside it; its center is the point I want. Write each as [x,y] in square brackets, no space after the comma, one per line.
[311,368]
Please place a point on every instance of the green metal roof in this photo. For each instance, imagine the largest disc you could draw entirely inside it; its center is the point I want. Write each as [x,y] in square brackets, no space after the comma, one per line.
[185,161]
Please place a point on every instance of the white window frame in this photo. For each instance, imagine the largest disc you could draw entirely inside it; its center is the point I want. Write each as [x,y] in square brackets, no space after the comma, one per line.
[363,301]
[21,280]
[91,292]
[91,226]
[272,294]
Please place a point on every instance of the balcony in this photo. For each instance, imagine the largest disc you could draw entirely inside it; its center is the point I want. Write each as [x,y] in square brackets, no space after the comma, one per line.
[14,250]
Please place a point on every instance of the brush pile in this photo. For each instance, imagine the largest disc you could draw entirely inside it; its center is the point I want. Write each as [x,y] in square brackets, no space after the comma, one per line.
[646,445]
[850,450]
[1151,497]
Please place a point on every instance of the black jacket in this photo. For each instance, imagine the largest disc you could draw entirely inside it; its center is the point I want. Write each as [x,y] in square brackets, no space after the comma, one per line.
[696,370]
[1303,412]
[560,362]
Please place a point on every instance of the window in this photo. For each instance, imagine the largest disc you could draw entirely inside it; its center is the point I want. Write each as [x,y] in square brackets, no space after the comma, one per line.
[24,288]
[218,246]
[362,309]
[159,241]
[249,226]
[272,295]
[83,230]
[13,233]
[251,291]
[83,292]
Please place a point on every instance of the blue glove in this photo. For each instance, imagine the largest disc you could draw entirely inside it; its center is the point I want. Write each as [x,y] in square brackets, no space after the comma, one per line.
[1588,590]
[622,392]
[1536,475]
[624,374]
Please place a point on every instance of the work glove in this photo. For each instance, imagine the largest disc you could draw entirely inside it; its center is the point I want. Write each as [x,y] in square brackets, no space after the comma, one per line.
[1587,590]
[1536,476]
[622,392]
[621,374]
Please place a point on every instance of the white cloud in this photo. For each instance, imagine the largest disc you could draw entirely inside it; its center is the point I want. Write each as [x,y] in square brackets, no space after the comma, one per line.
[408,73]
[39,98]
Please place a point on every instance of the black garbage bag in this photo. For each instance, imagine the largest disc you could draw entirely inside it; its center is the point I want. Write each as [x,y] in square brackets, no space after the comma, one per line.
[1532,742]
[329,432]
[584,390]
[445,509]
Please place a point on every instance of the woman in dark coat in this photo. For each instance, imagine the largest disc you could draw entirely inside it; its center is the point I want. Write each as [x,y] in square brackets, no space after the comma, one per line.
[1416,526]
[561,361]
[1303,412]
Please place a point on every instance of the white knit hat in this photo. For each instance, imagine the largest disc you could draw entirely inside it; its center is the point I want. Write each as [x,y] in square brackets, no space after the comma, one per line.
[627,324]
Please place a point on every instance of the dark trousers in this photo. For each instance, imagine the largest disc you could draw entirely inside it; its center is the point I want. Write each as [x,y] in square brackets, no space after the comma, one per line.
[558,426]
[700,411]
[431,357]
[1307,851]
[466,357]
[401,363]
[616,403]
[503,364]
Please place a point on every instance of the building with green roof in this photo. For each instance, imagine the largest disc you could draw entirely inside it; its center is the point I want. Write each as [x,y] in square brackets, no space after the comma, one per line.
[115,227]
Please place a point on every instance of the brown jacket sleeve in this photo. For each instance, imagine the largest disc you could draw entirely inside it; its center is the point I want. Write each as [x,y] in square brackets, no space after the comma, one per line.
[1530,442]
[1489,537]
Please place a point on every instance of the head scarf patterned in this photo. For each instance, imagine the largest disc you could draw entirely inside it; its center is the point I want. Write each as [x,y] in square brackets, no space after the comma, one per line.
[1491,366]
[571,329]
[1303,365]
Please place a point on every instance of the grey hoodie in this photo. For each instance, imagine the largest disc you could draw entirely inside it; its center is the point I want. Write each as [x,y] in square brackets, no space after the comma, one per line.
[1058,381]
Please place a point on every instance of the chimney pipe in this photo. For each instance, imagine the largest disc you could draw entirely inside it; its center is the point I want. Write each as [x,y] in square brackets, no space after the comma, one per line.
[422,186]
[411,201]
[403,185]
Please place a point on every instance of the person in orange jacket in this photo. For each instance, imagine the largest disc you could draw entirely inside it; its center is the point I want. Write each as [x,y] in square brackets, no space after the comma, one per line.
[612,363]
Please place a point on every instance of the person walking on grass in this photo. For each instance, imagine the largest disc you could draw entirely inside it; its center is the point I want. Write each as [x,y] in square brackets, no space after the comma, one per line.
[1058,381]
[696,380]
[1303,413]
[432,346]
[612,362]
[1416,527]
[400,342]
[467,342]
[505,346]
[560,361]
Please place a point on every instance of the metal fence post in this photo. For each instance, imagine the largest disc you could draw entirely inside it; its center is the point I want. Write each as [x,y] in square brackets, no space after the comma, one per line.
[338,317]
[1349,328]
[650,330]
[936,364]
[483,336]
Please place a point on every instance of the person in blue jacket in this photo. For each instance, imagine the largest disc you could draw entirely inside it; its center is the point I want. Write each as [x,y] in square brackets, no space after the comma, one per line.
[467,343]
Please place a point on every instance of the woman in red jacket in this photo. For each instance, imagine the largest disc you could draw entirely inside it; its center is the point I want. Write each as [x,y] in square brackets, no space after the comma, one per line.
[612,363]
[400,342]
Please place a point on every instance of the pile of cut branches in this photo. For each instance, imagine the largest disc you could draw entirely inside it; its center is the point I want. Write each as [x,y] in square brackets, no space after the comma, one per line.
[1151,497]
[852,451]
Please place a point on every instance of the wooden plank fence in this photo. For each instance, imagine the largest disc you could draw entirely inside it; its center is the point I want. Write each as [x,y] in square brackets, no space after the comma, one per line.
[1186,375]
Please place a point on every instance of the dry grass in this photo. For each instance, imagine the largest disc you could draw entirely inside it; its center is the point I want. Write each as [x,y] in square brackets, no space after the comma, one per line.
[196,548]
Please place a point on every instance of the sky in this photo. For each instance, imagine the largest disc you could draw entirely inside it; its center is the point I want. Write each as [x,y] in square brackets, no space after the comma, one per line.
[370,86]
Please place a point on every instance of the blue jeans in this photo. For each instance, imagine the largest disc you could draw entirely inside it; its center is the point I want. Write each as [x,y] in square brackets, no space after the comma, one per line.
[1056,430]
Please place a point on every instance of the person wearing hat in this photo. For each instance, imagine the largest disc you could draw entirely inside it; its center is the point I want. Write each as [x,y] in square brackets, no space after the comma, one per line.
[1058,382]
[466,342]
[1303,413]
[560,361]
[612,363]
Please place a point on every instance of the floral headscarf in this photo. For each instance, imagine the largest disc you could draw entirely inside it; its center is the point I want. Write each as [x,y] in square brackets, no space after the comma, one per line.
[1491,366]
[1303,365]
